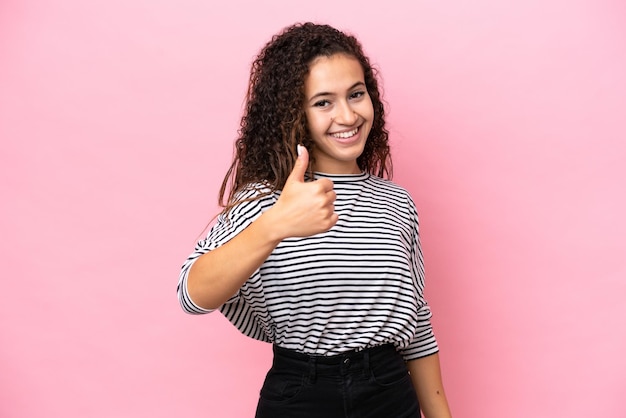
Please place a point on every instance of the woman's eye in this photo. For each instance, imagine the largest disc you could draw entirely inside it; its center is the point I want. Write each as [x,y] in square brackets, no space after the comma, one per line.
[321,103]
[357,94]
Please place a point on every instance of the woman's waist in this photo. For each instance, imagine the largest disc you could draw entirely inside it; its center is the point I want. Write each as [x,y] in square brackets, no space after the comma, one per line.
[350,361]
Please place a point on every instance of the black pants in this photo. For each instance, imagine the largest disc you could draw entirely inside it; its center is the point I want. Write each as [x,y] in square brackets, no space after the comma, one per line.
[372,383]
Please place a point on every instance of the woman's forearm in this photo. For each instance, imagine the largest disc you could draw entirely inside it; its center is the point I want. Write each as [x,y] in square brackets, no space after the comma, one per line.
[303,209]
[426,377]
[217,275]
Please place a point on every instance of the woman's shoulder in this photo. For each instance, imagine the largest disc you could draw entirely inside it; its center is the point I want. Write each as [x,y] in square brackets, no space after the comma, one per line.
[251,197]
[252,191]
[384,185]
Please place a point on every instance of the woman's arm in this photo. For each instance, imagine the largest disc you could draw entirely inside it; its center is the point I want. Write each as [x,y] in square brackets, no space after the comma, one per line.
[426,377]
[303,209]
[216,276]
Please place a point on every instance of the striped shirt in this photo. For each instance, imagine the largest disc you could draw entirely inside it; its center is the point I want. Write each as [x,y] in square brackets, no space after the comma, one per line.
[358,285]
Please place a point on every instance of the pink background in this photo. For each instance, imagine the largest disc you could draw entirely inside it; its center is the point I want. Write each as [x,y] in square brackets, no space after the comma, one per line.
[116,124]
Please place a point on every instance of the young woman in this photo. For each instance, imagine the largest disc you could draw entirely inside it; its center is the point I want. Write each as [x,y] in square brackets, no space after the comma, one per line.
[315,252]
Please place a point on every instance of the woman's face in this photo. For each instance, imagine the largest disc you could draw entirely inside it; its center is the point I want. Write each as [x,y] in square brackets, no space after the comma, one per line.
[339,113]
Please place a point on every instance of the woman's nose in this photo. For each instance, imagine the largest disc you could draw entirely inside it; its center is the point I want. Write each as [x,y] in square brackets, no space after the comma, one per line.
[345,114]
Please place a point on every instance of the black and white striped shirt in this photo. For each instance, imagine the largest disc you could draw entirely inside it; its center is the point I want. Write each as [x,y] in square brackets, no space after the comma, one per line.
[358,285]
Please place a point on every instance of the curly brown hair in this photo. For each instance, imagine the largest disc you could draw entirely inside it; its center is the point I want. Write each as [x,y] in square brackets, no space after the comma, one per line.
[274,121]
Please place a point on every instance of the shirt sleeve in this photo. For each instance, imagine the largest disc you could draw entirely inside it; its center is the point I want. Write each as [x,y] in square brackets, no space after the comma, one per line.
[424,342]
[252,203]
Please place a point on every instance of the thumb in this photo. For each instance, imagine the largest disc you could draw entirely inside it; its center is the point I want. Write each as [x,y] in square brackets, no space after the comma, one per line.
[302,163]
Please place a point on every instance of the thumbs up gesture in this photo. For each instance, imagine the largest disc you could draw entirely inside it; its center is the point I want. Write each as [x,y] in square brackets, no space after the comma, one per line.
[305,208]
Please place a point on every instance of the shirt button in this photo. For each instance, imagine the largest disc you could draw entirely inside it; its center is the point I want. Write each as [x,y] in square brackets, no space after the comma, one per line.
[346,362]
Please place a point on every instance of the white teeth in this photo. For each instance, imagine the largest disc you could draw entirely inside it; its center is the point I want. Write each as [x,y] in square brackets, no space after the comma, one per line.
[345,134]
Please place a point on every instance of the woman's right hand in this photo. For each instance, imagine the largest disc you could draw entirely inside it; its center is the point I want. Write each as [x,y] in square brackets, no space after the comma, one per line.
[304,208]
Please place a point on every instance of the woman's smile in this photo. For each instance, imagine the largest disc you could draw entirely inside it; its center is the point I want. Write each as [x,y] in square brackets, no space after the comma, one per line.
[345,135]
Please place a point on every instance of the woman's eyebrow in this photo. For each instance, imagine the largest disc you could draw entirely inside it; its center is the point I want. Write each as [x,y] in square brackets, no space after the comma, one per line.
[325,93]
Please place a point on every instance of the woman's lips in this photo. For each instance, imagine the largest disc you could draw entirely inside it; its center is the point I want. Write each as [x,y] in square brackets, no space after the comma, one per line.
[346,137]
